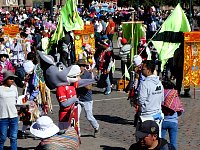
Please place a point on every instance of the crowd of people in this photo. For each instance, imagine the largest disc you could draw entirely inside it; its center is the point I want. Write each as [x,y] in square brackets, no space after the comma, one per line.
[19,62]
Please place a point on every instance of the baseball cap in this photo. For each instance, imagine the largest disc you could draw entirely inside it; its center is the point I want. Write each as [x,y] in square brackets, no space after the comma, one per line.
[147,127]
[106,43]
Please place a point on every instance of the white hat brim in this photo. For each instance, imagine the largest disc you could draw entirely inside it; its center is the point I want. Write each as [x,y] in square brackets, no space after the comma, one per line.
[48,132]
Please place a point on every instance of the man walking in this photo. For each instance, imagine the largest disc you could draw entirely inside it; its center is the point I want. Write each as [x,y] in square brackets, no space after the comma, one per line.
[85,96]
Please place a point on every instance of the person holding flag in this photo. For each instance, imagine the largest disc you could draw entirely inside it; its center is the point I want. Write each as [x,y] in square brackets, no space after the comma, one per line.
[125,54]
[68,20]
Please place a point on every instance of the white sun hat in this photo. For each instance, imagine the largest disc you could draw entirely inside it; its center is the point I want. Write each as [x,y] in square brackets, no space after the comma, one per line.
[28,66]
[137,60]
[44,127]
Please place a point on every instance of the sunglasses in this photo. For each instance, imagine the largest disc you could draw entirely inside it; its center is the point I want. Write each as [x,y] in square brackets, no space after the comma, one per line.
[82,65]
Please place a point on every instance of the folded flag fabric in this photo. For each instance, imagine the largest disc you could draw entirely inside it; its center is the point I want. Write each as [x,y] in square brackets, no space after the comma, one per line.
[172,101]
[126,74]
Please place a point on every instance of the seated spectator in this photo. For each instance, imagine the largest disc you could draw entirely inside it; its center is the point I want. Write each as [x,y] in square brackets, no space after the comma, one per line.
[148,135]
[51,137]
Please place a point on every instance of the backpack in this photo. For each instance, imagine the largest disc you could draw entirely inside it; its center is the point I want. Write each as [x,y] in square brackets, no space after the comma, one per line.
[20,73]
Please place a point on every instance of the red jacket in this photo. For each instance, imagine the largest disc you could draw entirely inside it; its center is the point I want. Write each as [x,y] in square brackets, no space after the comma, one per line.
[63,93]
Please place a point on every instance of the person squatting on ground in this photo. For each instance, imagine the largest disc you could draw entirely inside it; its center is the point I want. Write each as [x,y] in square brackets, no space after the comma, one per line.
[151,95]
[148,135]
[51,137]
[8,111]
[85,96]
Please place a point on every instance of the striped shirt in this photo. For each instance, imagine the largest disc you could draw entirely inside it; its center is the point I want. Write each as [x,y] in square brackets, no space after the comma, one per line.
[125,52]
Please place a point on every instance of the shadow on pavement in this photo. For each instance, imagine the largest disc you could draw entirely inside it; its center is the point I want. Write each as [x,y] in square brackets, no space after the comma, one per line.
[114,119]
[97,92]
[105,147]
[87,135]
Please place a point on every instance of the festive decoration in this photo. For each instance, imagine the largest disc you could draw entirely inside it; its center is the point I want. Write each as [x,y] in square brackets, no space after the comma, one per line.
[84,37]
[191,71]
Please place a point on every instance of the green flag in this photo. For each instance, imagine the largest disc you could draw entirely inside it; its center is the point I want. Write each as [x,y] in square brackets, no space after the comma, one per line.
[69,20]
[170,35]
[70,16]
[133,32]
[59,32]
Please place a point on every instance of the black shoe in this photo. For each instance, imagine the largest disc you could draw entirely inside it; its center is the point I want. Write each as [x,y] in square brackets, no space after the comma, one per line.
[22,135]
[185,95]
[96,132]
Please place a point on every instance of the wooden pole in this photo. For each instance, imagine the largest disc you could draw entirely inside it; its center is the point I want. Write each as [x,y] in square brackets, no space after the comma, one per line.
[194,92]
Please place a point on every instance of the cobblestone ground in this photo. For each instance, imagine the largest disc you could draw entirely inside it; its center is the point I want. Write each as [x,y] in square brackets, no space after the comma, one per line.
[115,117]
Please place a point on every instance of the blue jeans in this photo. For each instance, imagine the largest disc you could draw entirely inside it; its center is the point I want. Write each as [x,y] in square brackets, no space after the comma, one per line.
[110,37]
[10,124]
[108,88]
[88,106]
[172,128]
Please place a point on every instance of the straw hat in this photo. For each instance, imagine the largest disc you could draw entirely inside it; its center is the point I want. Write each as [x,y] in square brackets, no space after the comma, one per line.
[82,62]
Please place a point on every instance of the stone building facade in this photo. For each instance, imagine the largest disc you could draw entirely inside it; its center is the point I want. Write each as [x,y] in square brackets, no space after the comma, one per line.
[36,3]
[16,3]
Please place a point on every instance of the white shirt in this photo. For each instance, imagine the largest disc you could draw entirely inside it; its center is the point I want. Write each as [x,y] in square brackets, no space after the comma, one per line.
[8,99]
[153,26]
[99,26]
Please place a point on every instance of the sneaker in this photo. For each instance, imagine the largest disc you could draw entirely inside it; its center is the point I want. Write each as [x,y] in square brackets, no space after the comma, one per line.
[107,92]
[96,132]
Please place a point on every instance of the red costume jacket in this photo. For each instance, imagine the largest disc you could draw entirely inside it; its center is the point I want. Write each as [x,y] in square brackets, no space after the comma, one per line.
[63,93]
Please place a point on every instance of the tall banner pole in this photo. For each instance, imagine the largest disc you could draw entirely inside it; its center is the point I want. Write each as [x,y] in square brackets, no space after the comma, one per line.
[132,41]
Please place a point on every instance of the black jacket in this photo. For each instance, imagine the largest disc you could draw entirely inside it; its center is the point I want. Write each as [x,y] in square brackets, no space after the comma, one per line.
[163,145]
